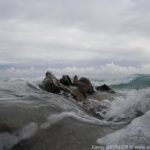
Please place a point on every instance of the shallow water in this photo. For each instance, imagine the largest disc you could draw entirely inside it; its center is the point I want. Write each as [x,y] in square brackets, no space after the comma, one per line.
[33,119]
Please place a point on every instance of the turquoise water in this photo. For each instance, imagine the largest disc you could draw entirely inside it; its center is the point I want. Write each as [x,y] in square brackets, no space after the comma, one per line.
[140,81]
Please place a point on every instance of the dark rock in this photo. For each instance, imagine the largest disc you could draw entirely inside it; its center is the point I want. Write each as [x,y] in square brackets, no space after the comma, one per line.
[52,84]
[85,86]
[75,80]
[79,96]
[105,88]
[65,80]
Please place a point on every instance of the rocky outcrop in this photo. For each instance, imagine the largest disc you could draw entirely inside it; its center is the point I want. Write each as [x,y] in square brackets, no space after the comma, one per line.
[105,88]
[75,80]
[85,86]
[79,96]
[52,84]
[79,89]
[65,80]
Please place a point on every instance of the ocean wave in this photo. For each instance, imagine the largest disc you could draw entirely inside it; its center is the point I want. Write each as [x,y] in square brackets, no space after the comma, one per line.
[31,109]
[8,140]
[113,81]
[54,118]
[139,81]
[124,108]
[134,135]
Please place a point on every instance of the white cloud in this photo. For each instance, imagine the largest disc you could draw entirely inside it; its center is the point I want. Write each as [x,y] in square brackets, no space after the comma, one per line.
[108,71]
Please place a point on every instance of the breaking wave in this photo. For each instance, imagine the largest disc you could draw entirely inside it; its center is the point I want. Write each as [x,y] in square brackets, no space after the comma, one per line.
[29,113]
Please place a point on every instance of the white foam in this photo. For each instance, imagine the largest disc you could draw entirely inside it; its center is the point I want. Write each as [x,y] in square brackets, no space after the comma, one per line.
[54,118]
[28,131]
[126,107]
[8,140]
[136,133]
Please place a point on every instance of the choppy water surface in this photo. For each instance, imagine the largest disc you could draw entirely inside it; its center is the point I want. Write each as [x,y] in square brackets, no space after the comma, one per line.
[33,119]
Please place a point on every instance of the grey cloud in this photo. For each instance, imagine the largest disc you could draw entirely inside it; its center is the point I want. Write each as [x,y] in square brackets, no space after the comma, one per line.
[78,32]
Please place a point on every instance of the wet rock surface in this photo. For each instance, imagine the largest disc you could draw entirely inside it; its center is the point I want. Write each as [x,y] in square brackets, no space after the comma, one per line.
[105,88]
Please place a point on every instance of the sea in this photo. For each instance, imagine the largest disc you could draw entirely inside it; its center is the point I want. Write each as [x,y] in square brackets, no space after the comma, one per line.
[33,119]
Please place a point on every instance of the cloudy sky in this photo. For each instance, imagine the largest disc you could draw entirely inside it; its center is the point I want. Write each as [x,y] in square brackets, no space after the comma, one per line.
[75,32]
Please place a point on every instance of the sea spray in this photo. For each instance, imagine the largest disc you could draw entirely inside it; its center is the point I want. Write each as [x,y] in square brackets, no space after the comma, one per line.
[136,134]
[30,110]
[8,140]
